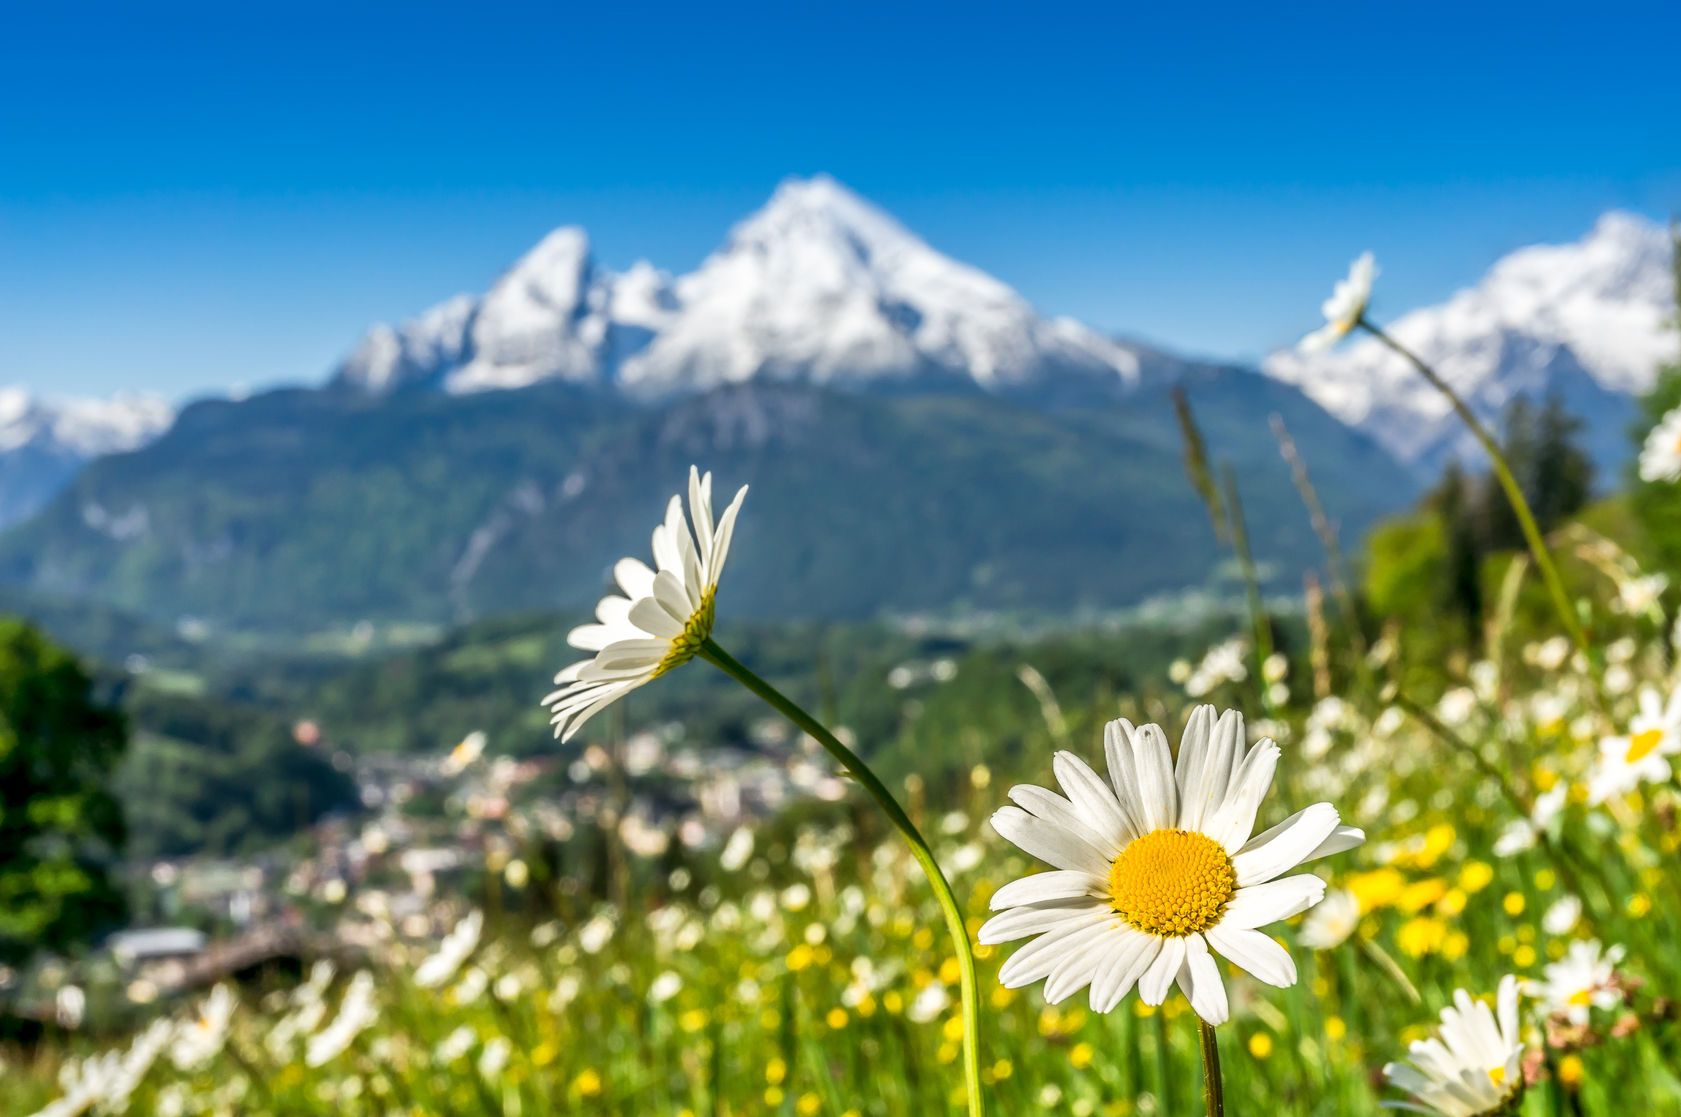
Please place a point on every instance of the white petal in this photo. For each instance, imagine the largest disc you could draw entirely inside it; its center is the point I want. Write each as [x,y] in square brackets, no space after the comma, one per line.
[1342,839]
[652,617]
[1051,807]
[1234,822]
[1082,957]
[1261,904]
[1059,884]
[1199,979]
[1284,846]
[1258,953]
[1132,957]
[1035,919]
[1123,772]
[1093,799]
[1205,764]
[1157,793]
[721,541]
[1159,978]
[1035,961]
[1048,842]
[634,577]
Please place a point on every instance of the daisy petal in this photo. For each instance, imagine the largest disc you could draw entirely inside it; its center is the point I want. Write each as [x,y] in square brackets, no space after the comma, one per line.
[1159,978]
[1048,842]
[1059,884]
[1257,953]
[1199,979]
[1285,846]
[1276,900]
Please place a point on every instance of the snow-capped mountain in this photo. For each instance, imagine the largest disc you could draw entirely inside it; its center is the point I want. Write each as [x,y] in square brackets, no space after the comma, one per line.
[818,286]
[44,442]
[1591,320]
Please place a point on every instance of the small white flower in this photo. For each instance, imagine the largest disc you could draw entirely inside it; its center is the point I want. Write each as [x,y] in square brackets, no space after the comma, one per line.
[1472,1067]
[1156,868]
[356,1013]
[1580,981]
[1563,914]
[1642,755]
[494,1058]
[1346,306]
[663,619]
[462,756]
[199,1040]
[1332,922]
[456,947]
[666,986]
[1660,458]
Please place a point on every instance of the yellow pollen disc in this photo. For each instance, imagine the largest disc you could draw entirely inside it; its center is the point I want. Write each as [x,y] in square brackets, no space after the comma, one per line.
[686,644]
[1641,745]
[1497,1075]
[1172,883]
[1582,997]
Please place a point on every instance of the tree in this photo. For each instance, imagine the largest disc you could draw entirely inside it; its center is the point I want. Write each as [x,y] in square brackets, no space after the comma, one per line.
[60,826]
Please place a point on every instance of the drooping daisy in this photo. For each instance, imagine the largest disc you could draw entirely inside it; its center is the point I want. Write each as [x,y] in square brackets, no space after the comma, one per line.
[1642,755]
[1157,868]
[664,617]
[1472,1067]
[1583,980]
[1660,458]
[1346,306]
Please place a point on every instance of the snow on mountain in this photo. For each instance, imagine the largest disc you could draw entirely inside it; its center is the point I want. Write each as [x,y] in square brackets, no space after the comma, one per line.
[818,285]
[388,357]
[44,442]
[1589,320]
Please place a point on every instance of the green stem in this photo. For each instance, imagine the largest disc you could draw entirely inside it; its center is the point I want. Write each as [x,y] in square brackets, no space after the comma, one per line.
[1560,863]
[1514,492]
[919,848]
[1213,1089]
[1386,962]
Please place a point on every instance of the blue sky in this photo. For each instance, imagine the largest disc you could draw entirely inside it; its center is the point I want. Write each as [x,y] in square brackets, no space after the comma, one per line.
[196,197]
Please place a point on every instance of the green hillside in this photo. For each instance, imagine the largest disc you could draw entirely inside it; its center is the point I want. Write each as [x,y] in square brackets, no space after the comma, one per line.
[299,510]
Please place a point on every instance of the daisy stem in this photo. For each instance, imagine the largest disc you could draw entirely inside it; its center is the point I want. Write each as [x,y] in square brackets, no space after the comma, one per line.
[1508,483]
[1386,962]
[1213,1088]
[920,850]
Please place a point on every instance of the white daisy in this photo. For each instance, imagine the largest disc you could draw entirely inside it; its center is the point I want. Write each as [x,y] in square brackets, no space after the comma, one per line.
[201,1039]
[1660,458]
[1472,1067]
[1583,980]
[1332,922]
[1642,755]
[1346,306]
[452,952]
[664,617]
[1157,867]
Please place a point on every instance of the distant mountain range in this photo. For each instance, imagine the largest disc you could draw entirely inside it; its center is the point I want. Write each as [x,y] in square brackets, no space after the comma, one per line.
[818,287]
[43,443]
[1591,321]
[917,436]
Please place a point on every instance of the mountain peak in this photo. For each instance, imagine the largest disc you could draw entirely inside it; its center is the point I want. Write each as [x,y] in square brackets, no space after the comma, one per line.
[817,285]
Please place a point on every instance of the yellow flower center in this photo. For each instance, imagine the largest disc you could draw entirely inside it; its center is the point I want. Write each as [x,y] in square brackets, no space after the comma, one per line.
[1641,745]
[1581,997]
[1497,1075]
[686,644]
[1172,883]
